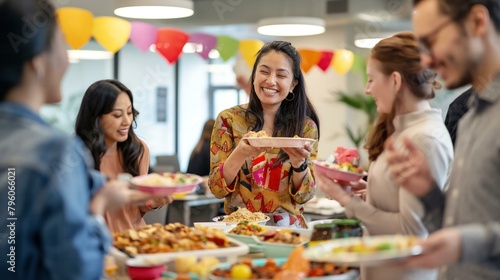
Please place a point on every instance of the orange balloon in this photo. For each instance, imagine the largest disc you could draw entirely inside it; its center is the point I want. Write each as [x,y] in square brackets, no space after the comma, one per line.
[76,25]
[249,49]
[111,32]
[309,59]
[169,43]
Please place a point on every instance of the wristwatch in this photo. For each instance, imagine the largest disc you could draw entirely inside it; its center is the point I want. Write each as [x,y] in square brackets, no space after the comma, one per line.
[300,168]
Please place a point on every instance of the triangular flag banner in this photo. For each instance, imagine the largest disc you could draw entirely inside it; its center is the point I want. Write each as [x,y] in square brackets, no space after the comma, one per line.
[111,32]
[169,43]
[249,50]
[227,46]
[76,25]
[142,35]
[342,61]
[358,64]
[309,59]
[207,42]
[325,60]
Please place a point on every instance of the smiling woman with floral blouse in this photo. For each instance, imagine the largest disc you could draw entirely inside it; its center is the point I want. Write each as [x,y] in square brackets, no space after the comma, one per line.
[269,180]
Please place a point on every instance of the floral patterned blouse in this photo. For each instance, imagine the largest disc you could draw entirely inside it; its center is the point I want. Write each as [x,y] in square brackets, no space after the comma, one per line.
[259,186]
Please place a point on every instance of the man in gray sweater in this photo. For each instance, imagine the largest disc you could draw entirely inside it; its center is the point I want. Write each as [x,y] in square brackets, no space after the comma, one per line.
[460,39]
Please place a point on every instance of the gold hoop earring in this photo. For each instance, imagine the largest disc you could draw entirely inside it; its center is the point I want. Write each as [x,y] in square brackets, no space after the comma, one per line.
[290,99]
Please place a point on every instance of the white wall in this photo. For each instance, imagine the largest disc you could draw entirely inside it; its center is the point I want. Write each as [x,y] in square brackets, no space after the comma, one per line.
[193,104]
[143,73]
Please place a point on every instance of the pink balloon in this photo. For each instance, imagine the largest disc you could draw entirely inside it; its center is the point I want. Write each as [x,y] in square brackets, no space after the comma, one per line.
[324,61]
[142,35]
[206,40]
[169,43]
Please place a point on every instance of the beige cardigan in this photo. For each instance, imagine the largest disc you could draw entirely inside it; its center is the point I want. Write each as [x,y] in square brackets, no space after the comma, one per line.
[390,209]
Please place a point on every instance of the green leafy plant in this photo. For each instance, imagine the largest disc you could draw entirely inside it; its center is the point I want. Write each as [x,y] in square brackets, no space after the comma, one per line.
[364,103]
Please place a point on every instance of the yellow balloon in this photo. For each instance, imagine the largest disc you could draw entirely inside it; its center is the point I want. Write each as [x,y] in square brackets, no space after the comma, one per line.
[249,49]
[76,25]
[342,61]
[111,32]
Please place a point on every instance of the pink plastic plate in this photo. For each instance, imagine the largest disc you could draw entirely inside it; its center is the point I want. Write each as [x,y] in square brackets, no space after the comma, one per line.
[337,174]
[193,181]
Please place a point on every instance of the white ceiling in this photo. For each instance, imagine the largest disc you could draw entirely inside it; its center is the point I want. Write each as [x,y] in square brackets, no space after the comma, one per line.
[238,18]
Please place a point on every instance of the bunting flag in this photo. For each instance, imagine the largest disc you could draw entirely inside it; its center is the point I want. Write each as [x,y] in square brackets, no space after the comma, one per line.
[206,41]
[76,25]
[249,49]
[143,35]
[227,46]
[342,61]
[325,60]
[309,59]
[169,43]
[112,33]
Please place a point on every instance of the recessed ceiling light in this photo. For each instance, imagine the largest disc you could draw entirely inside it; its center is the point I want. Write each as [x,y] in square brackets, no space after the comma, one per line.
[154,9]
[291,26]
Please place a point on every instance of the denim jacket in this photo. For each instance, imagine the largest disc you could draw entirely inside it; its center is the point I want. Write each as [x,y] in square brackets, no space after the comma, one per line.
[46,183]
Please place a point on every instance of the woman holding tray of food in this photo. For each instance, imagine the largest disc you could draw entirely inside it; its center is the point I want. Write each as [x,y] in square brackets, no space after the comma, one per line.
[401,88]
[272,180]
[105,125]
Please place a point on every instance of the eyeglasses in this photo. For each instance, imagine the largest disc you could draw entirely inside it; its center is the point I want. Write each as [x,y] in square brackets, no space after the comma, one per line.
[424,42]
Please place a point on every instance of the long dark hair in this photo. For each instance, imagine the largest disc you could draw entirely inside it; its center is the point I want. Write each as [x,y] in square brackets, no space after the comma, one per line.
[26,28]
[292,115]
[398,53]
[98,100]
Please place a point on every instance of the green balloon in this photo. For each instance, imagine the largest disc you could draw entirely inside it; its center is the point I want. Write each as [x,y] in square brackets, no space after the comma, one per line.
[227,46]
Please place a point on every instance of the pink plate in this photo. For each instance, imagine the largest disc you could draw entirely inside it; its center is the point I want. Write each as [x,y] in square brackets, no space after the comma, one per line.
[337,174]
[195,180]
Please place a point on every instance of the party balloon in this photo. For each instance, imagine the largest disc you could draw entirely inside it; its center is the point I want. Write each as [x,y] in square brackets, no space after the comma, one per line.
[142,35]
[325,60]
[207,42]
[111,32]
[342,61]
[249,49]
[169,43]
[76,25]
[309,59]
[227,46]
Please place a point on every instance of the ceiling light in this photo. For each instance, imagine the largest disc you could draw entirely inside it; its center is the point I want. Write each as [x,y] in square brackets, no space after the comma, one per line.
[291,26]
[366,43]
[75,56]
[154,9]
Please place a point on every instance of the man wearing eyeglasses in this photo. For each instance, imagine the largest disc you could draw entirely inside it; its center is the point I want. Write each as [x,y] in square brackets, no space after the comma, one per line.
[460,40]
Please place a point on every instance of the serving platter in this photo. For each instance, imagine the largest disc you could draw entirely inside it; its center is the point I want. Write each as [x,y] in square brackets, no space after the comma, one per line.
[367,251]
[278,142]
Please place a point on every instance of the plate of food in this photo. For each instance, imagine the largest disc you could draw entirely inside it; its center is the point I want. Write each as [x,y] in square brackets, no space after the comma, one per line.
[242,215]
[262,140]
[167,183]
[162,243]
[244,232]
[279,242]
[342,172]
[373,250]
[268,268]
